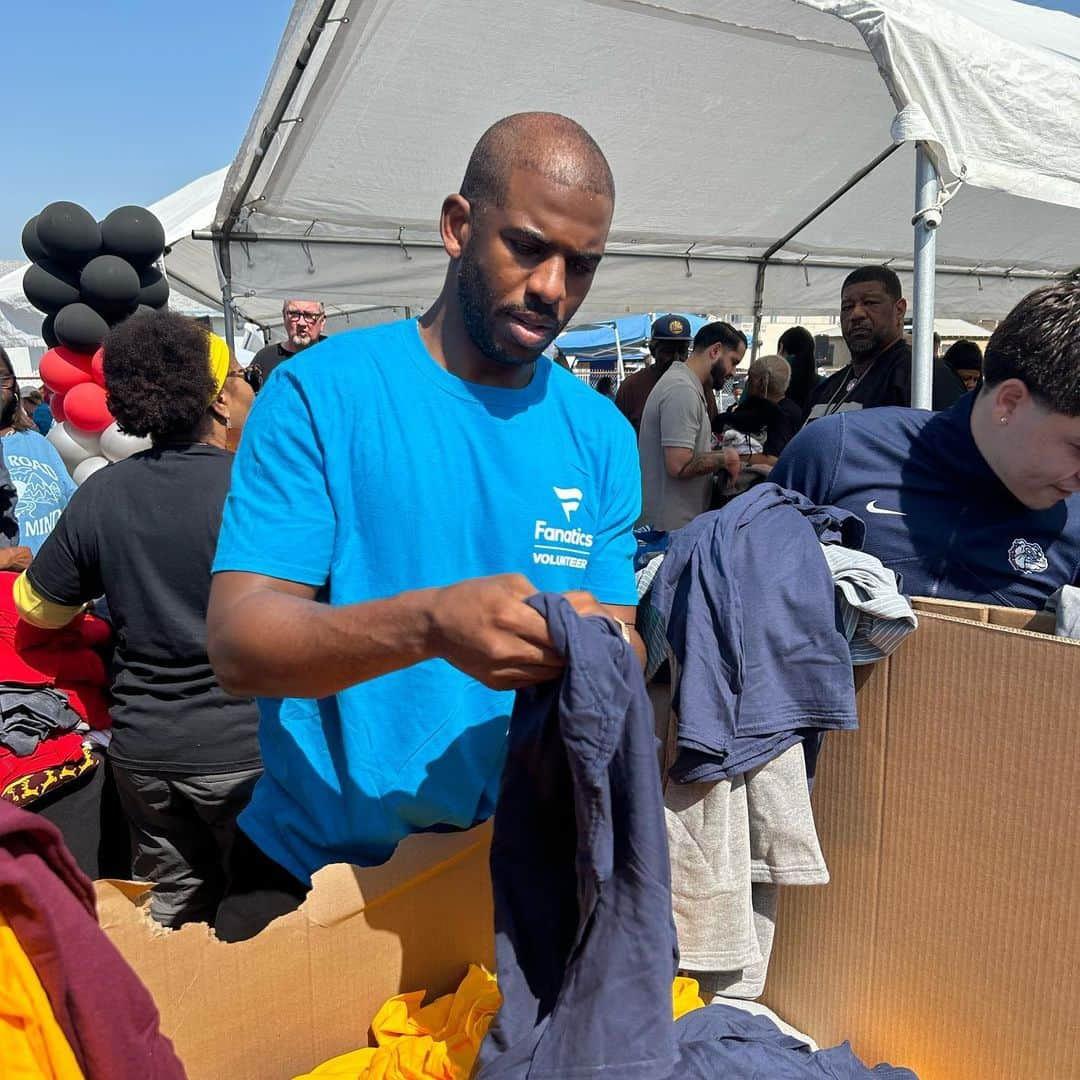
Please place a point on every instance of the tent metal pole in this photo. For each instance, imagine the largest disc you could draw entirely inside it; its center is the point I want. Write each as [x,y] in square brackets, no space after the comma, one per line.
[759,309]
[266,137]
[773,248]
[620,369]
[225,263]
[926,221]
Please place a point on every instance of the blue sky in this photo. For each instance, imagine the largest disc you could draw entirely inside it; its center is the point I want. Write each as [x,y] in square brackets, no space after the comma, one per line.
[124,101]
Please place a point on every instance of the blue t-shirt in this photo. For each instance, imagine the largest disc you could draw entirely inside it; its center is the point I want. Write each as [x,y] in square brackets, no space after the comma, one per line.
[367,468]
[935,511]
[42,482]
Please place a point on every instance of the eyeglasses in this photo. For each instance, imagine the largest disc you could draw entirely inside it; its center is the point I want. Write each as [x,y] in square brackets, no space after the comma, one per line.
[252,375]
[304,316]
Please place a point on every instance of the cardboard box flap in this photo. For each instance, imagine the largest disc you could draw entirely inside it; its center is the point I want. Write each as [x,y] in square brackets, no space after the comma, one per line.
[340,892]
[306,988]
[115,899]
[1036,622]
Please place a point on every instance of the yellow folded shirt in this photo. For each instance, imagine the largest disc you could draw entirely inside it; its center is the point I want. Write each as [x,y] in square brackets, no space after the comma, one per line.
[32,1045]
[440,1041]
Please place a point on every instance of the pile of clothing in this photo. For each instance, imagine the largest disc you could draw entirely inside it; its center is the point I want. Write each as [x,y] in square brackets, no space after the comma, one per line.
[53,706]
[441,1040]
[585,941]
[757,613]
[55,965]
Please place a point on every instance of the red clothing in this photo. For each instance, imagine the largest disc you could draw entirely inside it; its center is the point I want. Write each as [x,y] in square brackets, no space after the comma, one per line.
[105,1012]
[55,762]
[66,659]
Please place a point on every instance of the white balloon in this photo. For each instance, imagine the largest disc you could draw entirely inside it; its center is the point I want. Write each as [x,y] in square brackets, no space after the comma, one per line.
[88,440]
[71,444]
[116,445]
[88,468]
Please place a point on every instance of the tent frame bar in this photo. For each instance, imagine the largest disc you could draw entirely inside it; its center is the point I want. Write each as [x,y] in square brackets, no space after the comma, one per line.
[759,284]
[277,118]
[811,261]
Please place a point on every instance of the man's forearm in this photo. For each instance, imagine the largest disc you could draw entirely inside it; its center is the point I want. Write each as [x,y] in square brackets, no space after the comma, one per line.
[276,645]
[703,465]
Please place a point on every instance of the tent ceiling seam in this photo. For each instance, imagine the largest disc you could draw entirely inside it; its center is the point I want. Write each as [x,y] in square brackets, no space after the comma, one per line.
[711,22]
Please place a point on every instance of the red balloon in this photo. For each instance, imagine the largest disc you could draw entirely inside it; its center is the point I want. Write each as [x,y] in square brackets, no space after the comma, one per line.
[62,368]
[86,408]
[97,367]
[56,403]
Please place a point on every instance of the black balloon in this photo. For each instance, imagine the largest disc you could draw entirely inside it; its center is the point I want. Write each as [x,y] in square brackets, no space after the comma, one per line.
[154,288]
[133,233]
[68,233]
[30,243]
[48,333]
[80,328]
[109,285]
[49,286]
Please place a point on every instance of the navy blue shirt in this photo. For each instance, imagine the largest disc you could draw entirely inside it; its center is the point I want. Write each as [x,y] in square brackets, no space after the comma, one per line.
[585,941]
[935,512]
[747,600]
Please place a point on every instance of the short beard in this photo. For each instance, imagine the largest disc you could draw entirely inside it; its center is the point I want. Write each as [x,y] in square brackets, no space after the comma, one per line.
[478,309]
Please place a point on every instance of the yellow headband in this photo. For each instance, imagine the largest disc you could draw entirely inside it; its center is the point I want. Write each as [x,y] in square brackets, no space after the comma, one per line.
[219,362]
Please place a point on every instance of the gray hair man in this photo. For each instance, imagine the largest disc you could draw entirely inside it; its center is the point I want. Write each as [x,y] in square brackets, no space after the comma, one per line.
[303,321]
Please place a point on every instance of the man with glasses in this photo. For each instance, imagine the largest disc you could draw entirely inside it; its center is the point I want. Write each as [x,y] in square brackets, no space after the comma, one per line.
[304,322]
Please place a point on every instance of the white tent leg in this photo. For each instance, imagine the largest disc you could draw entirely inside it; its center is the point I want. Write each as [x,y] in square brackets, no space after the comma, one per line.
[620,369]
[926,221]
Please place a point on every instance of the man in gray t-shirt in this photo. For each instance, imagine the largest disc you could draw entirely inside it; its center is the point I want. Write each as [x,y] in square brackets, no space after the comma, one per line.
[677,466]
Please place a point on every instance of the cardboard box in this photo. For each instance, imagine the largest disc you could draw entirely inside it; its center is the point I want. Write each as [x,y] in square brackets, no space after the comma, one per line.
[948,940]
[949,937]
[308,986]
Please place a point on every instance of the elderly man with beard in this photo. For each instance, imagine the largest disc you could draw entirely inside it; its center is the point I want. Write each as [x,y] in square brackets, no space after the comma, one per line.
[677,465]
[375,560]
[303,321]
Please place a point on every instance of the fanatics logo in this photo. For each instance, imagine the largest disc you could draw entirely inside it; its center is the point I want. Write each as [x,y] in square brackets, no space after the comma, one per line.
[1027,557]
[569,499]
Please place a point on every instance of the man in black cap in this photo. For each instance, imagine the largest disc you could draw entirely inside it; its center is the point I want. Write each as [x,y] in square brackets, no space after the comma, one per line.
[669,341]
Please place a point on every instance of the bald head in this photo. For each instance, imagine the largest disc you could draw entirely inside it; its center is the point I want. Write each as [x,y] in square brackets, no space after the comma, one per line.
[549,144]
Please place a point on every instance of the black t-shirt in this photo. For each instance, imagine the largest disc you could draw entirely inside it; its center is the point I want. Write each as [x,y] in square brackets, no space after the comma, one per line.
[886,382]
[757,416]
[269,356]
[143,533]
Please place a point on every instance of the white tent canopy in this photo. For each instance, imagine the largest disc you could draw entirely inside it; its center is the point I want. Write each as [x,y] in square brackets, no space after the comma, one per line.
[727,122]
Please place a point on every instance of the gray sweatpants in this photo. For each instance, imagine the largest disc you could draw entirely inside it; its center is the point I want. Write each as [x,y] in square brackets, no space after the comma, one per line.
[181,830]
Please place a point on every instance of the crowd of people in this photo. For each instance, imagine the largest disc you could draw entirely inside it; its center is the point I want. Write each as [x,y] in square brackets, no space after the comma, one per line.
[319,627]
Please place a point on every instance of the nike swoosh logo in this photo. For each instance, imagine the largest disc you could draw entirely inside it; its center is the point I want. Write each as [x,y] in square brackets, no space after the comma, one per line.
[873,507]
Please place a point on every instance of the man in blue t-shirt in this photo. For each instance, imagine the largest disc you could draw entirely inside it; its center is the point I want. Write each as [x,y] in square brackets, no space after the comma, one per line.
[978,502]
[375,558]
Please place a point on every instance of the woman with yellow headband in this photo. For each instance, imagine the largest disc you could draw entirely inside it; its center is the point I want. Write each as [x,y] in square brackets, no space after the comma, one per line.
[142,532]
